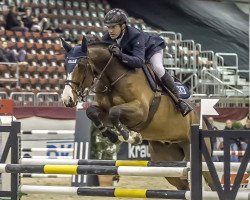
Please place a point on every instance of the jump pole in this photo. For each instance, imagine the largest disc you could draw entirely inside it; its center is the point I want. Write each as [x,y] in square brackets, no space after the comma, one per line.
[121,192]
[117,163]
[96,170]
[218,165]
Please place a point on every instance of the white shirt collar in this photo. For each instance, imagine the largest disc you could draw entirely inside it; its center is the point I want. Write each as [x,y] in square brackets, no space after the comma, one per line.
[120,39]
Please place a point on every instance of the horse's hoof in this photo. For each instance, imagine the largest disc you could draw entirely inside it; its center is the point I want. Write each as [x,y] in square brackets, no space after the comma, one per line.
[134,138]
[137,137]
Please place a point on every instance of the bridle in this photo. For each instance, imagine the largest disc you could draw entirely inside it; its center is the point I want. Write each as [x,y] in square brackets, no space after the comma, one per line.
[83,94]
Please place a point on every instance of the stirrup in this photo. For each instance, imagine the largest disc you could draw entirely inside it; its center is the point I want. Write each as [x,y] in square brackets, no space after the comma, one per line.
[184,107]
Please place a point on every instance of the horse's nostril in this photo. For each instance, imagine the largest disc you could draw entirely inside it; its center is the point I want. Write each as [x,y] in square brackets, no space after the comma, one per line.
[70,100]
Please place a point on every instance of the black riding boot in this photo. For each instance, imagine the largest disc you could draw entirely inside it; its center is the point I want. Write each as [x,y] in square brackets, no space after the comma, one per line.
[182,106]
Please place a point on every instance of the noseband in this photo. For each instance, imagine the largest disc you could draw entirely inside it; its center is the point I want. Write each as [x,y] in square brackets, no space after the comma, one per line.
[82,95]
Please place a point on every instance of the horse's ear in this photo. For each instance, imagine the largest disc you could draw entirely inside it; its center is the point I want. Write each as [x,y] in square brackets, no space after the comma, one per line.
[84,44]
[65,45]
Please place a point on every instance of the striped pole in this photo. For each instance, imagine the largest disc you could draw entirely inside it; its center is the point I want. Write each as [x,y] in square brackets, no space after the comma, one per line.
[130,193]
[28,158]
[27,175]
[93,169]
[233,153]
[117,163]
[218,165]
[48,132]
[47,150]
[122,192]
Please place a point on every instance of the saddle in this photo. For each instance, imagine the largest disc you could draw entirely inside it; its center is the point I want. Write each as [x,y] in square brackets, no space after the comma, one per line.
[155,83]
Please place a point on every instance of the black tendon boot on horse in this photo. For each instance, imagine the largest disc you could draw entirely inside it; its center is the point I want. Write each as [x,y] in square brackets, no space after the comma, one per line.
[181,105]
[93,114]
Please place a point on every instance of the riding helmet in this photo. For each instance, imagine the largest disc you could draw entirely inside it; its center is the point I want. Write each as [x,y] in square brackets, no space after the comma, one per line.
[114,17]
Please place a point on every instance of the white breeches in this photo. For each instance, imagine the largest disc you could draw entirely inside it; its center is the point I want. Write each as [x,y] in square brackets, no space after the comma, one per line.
[157,63]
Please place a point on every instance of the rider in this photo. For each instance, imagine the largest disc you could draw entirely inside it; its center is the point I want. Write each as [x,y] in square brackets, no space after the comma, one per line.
[136,47]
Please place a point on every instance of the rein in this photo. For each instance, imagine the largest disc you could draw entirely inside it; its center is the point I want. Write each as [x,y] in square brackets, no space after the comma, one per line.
[107,88]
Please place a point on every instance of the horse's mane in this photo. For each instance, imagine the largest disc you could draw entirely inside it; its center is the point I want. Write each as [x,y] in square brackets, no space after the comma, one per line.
[93,40]
[100,44]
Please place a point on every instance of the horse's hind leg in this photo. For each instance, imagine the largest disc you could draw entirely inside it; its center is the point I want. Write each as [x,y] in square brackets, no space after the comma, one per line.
[169,152]
[96,114]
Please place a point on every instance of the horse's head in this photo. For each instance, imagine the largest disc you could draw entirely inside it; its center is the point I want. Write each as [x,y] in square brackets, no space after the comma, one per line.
[79,73]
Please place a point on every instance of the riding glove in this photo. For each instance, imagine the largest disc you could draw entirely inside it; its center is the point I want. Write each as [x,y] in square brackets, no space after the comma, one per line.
[116,51]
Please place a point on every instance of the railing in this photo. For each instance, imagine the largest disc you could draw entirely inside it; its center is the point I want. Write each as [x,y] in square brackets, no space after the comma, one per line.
[48,99]
[217,84]
[40,99]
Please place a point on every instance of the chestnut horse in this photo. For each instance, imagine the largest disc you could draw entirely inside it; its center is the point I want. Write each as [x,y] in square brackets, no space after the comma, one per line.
[124,100]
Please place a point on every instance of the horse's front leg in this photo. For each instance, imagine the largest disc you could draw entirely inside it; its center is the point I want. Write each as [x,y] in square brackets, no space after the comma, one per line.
[96,115]
[128,115]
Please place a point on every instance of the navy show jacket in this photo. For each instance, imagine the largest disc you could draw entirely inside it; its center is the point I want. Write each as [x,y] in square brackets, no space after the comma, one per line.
[137,47]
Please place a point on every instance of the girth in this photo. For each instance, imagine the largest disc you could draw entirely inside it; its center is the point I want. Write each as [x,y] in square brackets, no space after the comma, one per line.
[152,110]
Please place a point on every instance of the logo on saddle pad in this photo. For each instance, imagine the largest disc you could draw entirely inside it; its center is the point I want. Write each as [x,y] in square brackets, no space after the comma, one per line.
[181,89]
[72,61]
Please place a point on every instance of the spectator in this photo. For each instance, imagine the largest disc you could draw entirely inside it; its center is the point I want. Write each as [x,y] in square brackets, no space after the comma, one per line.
[32,23]
[247,125]
[243,142]
[10,55]
[12,22]
[234,146]
[215,141]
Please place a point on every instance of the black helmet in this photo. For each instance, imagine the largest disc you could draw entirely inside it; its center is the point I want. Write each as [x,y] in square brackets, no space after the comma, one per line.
[114,17]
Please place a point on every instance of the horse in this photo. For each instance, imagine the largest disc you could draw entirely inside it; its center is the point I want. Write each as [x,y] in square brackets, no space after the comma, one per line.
[125,107]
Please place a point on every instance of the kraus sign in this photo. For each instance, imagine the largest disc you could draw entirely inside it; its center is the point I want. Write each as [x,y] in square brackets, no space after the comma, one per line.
[134,152]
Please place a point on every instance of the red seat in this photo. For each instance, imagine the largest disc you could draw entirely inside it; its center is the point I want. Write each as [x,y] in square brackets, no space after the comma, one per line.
[60,57]
[31,69]
[43,81]
[24,81]
[28,34]
[57,47]
[30,45]
[41,69]
[34,81]
[40,57]
[9,33]
[47,46]
[61,70]
[30,57]
[18,33]
[53,81]
[38,46]
[50,57]
[36,34]
[20,45]
[51,69]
